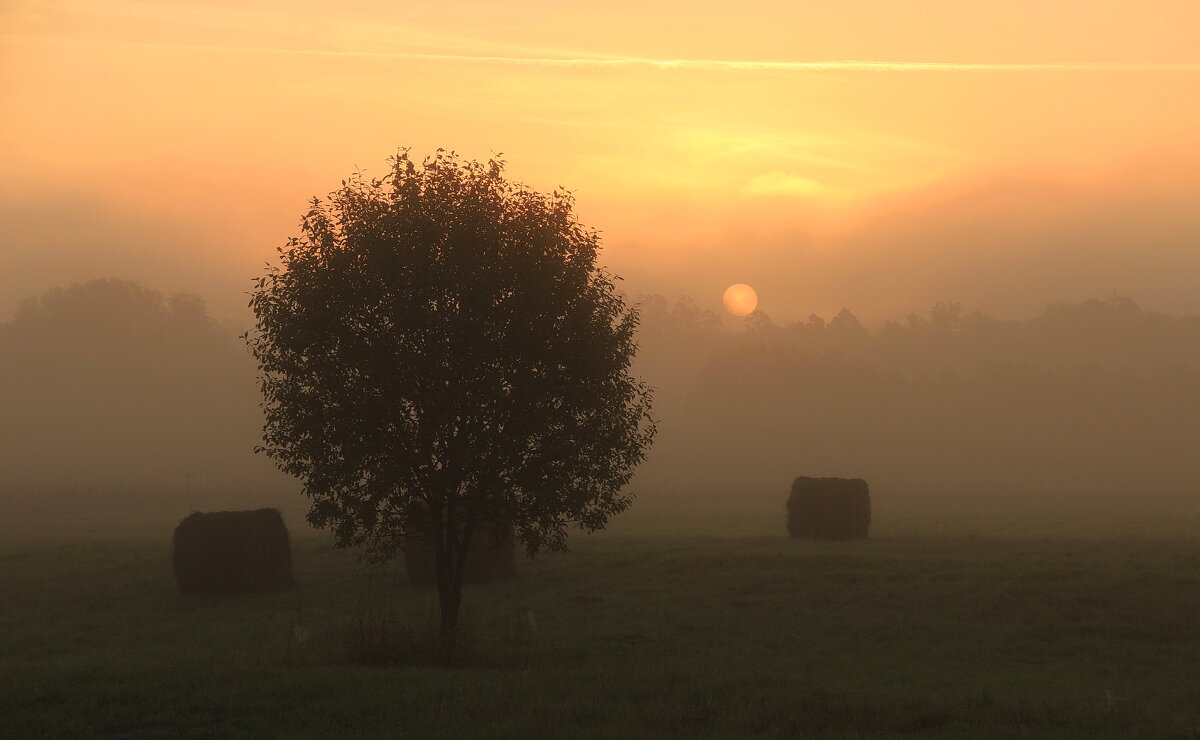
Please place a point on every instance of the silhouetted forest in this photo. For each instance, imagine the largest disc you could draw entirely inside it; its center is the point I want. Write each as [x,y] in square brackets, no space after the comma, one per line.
[1089,401]
[113,392]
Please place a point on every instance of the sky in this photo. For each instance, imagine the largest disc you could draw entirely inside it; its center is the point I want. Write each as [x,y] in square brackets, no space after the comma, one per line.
[867,154]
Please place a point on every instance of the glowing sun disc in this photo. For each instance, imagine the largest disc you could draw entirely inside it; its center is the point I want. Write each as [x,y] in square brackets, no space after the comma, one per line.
[740,299]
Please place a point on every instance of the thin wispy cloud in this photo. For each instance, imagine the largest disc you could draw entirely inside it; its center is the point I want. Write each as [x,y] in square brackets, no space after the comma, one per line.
[620,62]
[846,65]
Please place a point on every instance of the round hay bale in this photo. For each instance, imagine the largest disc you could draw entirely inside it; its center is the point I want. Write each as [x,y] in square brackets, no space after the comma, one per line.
[829,508]
[232,552]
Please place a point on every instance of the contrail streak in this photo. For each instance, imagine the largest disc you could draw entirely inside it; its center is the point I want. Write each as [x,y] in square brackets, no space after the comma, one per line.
[848,65]
[611,62]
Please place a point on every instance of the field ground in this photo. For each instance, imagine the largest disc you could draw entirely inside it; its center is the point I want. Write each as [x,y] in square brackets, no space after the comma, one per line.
[949,633]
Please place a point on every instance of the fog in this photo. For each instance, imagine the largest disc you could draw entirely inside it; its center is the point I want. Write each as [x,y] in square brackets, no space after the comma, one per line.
[1083,405]
[1025,185]
[1019,342]
[1006,244]
[119,398]
[58,237]
[116,396]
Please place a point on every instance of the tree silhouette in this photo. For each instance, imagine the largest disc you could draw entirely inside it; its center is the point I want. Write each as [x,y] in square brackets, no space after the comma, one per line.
[440,345]
[110,385]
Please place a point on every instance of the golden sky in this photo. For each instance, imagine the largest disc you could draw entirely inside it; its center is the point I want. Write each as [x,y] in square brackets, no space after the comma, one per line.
[869,153]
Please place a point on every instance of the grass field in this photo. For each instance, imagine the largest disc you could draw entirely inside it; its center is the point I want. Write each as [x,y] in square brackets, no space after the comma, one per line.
[625,636]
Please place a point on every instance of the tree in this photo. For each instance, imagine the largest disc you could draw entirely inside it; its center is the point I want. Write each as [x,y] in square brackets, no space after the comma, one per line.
[439,344]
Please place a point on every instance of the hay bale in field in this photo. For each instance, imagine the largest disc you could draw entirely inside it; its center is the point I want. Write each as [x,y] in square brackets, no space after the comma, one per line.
[232,552]
[829,508]
[492,557]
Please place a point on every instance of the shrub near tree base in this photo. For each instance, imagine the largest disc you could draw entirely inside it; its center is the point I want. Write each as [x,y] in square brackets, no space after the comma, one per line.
[232,552]
[829,508]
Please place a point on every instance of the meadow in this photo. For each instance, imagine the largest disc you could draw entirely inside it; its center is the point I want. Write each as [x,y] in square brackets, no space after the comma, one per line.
[950,632]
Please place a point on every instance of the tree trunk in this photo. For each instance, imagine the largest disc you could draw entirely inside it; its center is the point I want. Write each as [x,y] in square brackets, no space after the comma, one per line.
[451,599]
[451,566]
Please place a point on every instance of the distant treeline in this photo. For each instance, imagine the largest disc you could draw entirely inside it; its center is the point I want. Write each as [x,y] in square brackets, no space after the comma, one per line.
[113,391]
[1090,400]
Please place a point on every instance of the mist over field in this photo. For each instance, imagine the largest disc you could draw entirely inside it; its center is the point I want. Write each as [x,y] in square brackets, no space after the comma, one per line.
[599,369]
[1026,427]
[1084,405]
[119,398]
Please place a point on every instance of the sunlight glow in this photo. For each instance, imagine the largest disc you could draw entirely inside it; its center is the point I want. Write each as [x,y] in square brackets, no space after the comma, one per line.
[780,183]
[740,299]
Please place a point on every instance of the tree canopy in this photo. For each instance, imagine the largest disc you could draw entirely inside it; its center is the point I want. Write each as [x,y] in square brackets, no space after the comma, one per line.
[441,340]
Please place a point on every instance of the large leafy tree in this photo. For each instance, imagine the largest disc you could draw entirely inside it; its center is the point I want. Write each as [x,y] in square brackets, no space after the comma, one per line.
[440,344]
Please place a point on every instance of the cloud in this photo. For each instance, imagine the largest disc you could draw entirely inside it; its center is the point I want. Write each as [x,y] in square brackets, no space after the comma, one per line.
[780,183]
[602,61]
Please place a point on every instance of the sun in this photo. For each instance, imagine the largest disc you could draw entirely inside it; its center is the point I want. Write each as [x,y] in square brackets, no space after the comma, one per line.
[740,299]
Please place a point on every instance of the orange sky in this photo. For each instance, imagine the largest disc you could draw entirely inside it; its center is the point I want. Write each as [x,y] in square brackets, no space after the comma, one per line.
[873,154]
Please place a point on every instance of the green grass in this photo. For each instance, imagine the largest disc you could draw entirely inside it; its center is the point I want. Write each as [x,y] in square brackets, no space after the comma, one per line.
[629,637]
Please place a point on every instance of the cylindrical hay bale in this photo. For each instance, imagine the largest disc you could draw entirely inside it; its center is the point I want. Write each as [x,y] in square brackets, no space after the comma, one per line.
[491,557]
[829,508]
[232,552]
